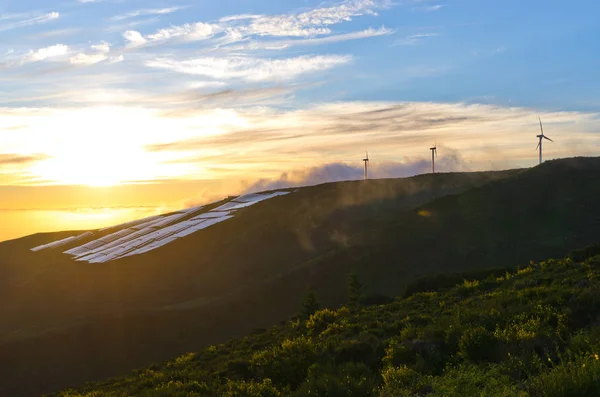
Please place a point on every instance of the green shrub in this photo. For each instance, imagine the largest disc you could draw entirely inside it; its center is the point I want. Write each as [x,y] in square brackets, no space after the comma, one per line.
[287,364]
[320,320]
[477,344]
[345,380]
[403,382]
[251,389]
[577,378]
[473,381]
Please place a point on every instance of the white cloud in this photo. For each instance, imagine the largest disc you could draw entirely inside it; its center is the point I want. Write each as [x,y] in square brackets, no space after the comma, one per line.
[237,27]
[432,8]
[87,59]
[150,11]
[28,21]
[135,38]
[283,44]
[189,31]
[207,84]
[251,69]
[45,53]
[415,38]
[306,24]
[102,47]
[117,59]
[101,54]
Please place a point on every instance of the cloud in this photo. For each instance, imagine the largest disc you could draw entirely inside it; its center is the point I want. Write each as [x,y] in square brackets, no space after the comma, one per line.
[54,33]
[45,53]
[103,47]
[102,50]
[148,11]
[134,38]
[294,25]
[87,59]
[311,23]
[267,140]
[19,159]
[284,44]
[189,31]
[28,21]
[336,172]
[223,142]
[431,8]
[251,69]
[415,38]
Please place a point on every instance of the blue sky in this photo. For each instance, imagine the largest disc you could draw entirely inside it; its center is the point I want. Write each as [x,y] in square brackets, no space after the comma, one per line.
[533,53]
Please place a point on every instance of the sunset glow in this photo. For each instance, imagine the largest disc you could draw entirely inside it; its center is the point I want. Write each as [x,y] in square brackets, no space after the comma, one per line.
[107,94]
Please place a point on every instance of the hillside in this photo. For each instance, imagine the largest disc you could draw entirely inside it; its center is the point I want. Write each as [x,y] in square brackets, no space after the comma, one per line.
[137,310]
[69,322]
[529,331]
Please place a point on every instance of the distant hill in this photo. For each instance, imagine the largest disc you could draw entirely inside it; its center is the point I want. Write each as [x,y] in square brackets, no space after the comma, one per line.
[68,322]
[526,331]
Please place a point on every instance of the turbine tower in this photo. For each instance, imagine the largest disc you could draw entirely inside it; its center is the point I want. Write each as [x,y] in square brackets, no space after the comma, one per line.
[541,137]
[433,156]
[366,160]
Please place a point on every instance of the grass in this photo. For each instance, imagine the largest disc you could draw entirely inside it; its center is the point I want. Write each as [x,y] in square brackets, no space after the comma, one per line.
[528,333]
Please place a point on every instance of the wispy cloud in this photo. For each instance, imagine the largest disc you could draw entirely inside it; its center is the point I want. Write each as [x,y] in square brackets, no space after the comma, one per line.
[234,28]
[28,21]
[414,39]
[19,159]
[190,31]
[431,8]
[251,69]
[284,44]
[148,11]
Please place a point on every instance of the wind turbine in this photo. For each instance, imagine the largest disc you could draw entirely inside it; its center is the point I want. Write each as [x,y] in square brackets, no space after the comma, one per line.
[433,156]
[541,138]
[366,160]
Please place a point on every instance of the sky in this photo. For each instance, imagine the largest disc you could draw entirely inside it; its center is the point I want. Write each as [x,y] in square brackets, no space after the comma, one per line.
[114,108]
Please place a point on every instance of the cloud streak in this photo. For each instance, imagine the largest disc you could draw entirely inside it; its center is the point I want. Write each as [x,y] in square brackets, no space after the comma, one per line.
[23,22]
[148,11]
[251,69]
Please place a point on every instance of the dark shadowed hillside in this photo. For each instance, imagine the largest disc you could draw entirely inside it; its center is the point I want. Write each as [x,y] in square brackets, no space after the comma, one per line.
[72,321]
[516,332]
[69,322]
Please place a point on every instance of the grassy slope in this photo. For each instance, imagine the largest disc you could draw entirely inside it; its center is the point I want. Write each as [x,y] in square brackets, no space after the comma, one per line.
[531,331]
[314,237]
[543,212]
[142,309]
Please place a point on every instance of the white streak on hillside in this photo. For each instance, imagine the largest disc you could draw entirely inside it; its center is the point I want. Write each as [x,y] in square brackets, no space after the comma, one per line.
[144,235]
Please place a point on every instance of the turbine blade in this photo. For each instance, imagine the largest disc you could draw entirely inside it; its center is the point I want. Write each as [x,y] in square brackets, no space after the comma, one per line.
[545,137]
[541,126]
[538,146]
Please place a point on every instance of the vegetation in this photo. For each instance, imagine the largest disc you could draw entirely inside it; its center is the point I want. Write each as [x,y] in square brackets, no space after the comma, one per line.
[529,331]
[253,270]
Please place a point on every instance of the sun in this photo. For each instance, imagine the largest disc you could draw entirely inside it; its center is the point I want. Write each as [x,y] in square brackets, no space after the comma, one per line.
[96,147]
